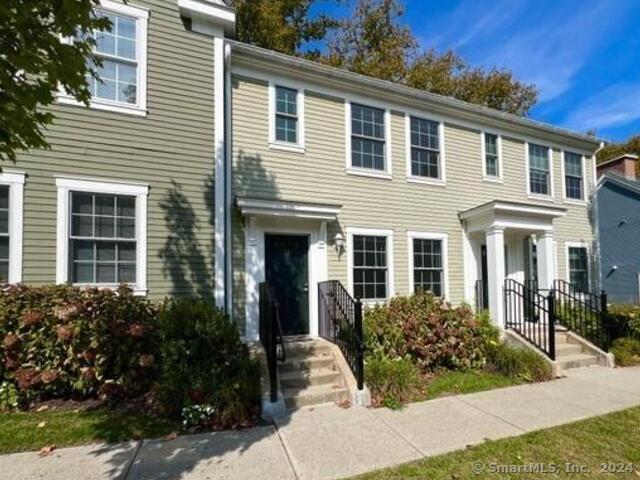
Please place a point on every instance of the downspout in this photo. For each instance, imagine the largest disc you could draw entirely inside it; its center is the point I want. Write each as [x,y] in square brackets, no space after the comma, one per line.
[596,230]
[228,208]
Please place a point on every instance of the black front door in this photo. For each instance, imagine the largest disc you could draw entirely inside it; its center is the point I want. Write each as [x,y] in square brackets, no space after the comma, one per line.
[287,271]
[485,277]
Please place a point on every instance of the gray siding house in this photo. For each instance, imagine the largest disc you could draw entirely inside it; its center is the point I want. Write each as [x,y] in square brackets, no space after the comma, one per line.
[618,224]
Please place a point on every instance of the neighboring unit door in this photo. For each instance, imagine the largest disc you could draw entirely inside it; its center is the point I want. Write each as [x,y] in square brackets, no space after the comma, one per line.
[287,271]
[485,277]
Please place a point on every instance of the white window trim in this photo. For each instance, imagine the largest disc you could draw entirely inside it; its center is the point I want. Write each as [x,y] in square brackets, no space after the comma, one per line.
[574,244]
[442,180]
[299,146]
[537,196]
[141,15]
[65,185]
[574,201]
[368,172]
[483,151]
[444,238]
[15,182]
[377,232]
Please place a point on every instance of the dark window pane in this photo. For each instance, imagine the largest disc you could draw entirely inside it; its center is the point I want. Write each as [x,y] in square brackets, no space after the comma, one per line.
[83,273]
[81,203]
[106,273]
[286,100]
[4,271]
[4,221]
[105,227]
[126,273]
[82,250]
[81,226]
[106,251]
[105,204]
[127,252]
[126,206]
[4,248]
[126,228]
[4,196]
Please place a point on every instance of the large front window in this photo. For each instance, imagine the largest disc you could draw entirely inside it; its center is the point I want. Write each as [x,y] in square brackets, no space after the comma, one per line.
[539,170]
[103,238]
[579,268]
[428,266]
[573,182]
[370,267]
[367,137]
[4,233]
[425,148]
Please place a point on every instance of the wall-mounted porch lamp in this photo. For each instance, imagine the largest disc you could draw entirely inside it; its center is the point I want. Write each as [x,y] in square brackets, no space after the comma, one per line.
[339,244]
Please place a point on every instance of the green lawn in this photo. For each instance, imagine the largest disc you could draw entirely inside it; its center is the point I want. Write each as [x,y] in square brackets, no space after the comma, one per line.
[610,439]
[20,431]
[456,382]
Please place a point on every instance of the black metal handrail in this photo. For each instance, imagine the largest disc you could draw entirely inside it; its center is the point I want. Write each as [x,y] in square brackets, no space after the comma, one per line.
[340,321]
[271,335]
[584,313]
[531,315]
[480,300]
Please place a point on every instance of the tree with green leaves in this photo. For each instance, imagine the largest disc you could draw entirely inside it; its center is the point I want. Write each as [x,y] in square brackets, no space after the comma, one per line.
[280,25]
[36,60]
[631,145]
[374,42]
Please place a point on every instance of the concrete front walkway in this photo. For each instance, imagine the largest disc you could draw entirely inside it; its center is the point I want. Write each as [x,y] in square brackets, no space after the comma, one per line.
[330,442]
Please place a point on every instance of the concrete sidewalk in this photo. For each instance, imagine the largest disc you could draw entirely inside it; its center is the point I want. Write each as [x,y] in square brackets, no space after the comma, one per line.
[330,442]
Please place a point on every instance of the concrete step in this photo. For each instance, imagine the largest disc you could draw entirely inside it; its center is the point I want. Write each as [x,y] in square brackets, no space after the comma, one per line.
[565,349]
[314,395]
[306,348]
[317,376]
[577,360]
[307,363]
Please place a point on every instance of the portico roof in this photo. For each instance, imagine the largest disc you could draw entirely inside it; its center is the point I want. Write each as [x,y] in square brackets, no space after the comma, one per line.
[505,214]
[287,208]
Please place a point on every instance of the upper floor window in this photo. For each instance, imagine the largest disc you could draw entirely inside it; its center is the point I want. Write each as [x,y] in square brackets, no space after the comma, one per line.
[5,240]
[101,233]
[539,170]
[491,155]
[286,115]
[122,82]
[11,213]
[367,137]
[573,181]
[425,148]
[578,259]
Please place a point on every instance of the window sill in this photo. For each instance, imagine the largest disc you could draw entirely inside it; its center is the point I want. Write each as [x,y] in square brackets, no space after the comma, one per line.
[109,107]
[491,179]
[137,291]
[438,182]
[287,147]
[369,173]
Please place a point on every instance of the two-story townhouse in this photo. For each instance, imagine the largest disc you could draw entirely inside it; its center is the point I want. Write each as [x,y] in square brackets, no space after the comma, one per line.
[204,166]
[390,190]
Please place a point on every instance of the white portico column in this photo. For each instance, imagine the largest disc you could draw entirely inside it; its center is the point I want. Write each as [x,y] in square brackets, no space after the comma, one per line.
[546,257]
[495,271]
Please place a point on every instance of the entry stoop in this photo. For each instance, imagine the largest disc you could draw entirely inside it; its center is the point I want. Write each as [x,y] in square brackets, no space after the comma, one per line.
[311,375]
[573,351]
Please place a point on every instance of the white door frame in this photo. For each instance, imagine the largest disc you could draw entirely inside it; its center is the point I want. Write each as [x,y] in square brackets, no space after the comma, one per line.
[256,227]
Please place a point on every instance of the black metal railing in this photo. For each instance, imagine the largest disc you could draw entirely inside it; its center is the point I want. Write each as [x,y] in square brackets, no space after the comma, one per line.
[531,315]
[584,313]
[271,335]
[340,321]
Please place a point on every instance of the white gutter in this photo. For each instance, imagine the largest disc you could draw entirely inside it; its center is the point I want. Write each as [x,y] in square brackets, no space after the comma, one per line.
[228,171]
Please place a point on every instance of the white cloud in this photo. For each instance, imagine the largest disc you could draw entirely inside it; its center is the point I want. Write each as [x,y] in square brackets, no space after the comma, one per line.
[615,106]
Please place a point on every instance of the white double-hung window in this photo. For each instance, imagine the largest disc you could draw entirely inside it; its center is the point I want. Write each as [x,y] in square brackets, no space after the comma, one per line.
[121,85]
[11,221]
[540,178]
[101,233]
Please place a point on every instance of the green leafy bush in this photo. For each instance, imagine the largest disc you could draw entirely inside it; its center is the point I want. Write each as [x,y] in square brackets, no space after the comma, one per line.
[65,342]
[203,361]
[626,351]
[519,363]
[625,320]
[393,381]
[428,330]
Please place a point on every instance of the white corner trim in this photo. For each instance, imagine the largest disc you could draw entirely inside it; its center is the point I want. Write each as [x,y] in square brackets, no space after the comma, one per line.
[483,152]
[574,201]
[219,170]
[66,185]
[441,181]
[141,16]
[374,232]
[537,196]
[15,182]
[444,238]
[299,146]
[387,173]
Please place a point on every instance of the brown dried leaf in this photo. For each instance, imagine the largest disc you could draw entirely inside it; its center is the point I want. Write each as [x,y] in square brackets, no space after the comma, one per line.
[171,436]
[46,451]
[344,404]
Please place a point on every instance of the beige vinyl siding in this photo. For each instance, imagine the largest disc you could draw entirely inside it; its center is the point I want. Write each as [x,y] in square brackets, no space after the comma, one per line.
[319,176]
[171,150]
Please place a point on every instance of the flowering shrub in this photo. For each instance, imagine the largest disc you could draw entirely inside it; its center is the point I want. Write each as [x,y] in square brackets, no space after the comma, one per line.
[625,320]
[196,415]
[65,342]
[428,330]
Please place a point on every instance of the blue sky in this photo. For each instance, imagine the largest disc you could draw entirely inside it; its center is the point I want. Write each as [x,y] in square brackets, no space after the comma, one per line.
[584,55]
